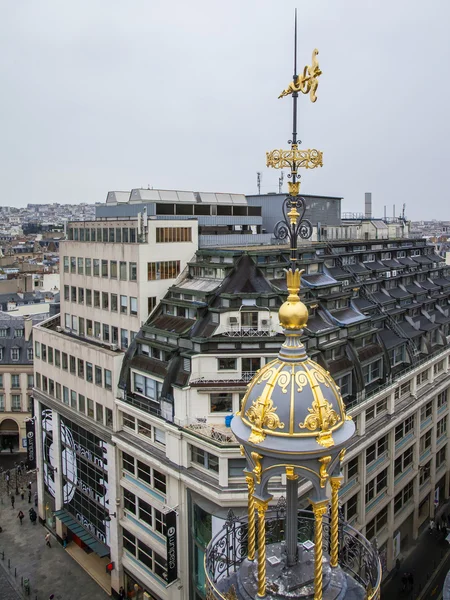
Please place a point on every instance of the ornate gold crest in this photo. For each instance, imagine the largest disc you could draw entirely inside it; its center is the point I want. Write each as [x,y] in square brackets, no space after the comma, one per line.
[262,414]
[323,473]
[322,416]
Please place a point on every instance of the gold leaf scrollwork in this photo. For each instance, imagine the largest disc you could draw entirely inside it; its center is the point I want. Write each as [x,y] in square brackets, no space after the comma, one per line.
[308,82]
[262,414]
[301,380]
[283,381]
[320,377]
[321,416]
[257,470]
[231,594]
[294,158]
[342,454]
[265,375]
[323,473]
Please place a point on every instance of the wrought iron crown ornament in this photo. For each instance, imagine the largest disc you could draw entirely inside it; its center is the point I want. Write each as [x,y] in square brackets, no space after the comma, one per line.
[294,225]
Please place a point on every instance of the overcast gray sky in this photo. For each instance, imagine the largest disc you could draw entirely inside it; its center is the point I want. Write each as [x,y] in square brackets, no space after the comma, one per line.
[101,95]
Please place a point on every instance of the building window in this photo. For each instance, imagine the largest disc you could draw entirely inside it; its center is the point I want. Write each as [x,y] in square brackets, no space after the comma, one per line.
[351,508]
[81,403]
[123,270]
[37,349]
[2,403]
[73,363]
[114,302]
[132,271]
[403,390]
[98,376]
[124,339]
[113,269]
[151,303]
[30,381]
[15,381]
[129,421]
[441,427]
[30,353]
[96,299]
[376,486]
[144,554]
[88,297]
[422,378]
[105,300]
[124,304]
[88,266]
[15,402]
[66,293]
[236,467]
[133,306]
[90,408]
[372,372]
[14,354]
[104,268]
[442,399]
[440,456]
[147,387]
[404,428]
[98,412]
[403,497]
[376,450]
[89,372]
[227,364]
[173,234]
[65,395]
[221,402]
[108,417]
[205,459]
[397,355]
[66,264]
[345,384]
[425,441]
[403,461]
[65,361]
[108,379]
[377,523]
[163,270]
[96,262]
[426,411]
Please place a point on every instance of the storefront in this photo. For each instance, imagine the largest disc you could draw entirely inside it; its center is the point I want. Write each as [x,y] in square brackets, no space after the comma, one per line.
[134,590]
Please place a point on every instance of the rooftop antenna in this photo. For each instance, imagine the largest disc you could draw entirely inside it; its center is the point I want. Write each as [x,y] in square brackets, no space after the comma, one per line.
[280,182]
[258,181]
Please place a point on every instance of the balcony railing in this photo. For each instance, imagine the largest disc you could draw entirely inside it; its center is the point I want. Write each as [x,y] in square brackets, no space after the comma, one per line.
[148,406]
[224,377]
[213,433]
[228,549]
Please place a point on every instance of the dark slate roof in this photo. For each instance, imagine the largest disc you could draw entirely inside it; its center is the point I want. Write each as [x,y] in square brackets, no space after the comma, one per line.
[381,298]
[318,323]
[318,280]
[337,272]
[172,323]
[347,316]
[358,268]
[428,285]
[422,260]
[393,264]
[369,351]
[339,365]
[390,339]
[204,327]
[408,262]
[145,363]
[11,323]
[427,325]
[439,317]
[376,266]
[399,293]
[245,277]
[409,331]
[279,283]
[442,281]
[414,288]
[362,304]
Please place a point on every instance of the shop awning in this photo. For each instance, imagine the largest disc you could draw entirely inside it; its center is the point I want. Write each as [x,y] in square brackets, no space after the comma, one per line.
[82,533]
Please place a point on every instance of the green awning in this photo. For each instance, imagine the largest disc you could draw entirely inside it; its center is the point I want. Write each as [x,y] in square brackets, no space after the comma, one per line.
[84,535]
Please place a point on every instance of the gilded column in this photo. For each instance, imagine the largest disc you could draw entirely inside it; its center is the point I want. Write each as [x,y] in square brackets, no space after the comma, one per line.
[334,534]
[261,506]
[320,509]
[251,517]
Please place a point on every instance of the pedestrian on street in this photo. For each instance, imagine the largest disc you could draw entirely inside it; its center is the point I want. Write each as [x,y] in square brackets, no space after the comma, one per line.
[22,493]
[19,470]
[431,526]
[29,496]
[20,516]
[121,594]
[35,498]
[13,499]
[29,485]
[410,581]
[64,538]
[437,527]
[47,540]
[404,582]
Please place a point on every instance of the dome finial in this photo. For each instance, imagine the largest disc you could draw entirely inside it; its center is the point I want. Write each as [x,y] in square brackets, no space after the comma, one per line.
[293,313]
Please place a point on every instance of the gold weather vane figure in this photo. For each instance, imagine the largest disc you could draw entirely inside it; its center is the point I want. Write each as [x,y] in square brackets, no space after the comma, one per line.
[308,82]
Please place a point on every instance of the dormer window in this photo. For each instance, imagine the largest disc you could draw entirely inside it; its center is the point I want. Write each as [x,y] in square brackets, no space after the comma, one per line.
[14,354]
[18,333]
[1,354]
[3,332]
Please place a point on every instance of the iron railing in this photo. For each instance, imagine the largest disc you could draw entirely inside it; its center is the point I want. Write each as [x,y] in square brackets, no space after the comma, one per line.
[228,549]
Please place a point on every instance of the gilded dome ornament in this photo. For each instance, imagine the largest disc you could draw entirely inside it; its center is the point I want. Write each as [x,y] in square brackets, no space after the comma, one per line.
[262,414]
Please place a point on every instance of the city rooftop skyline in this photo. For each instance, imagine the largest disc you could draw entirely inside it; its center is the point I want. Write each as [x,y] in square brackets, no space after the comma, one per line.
[102,97]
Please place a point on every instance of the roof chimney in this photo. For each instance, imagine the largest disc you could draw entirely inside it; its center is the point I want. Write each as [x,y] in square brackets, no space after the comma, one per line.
[368,205]
[28,324]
